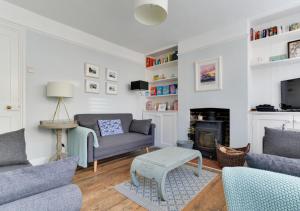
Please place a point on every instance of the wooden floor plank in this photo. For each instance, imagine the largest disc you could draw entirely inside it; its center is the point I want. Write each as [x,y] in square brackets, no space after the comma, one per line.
[99,193]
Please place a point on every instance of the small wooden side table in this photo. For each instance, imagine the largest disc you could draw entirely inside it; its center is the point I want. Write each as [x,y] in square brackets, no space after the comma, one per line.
[58,126]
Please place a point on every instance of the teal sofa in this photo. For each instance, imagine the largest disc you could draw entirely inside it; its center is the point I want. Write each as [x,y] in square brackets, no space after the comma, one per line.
[248,189]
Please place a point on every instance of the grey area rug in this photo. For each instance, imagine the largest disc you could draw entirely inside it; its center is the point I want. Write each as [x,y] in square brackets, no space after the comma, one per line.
[181,187]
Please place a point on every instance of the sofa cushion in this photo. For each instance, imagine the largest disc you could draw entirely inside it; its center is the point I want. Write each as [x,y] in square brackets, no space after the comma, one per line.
[110,127]
[274,163]
[26,182]
[282,143]
[89,119]
[111,144]
[140,126]
[12,148]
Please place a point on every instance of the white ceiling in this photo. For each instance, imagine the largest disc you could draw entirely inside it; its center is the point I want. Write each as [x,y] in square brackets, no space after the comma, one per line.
[113,20]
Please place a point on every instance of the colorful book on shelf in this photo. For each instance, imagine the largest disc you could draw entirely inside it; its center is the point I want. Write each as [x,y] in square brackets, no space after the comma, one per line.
[166,90]
[153,91]
[173,88]
[159,90]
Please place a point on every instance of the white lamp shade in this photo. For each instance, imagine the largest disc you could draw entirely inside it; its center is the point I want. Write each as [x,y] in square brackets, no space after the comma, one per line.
[59,89]
[151,12]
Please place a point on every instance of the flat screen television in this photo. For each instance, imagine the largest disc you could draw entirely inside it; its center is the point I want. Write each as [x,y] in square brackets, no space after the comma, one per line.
[290,94]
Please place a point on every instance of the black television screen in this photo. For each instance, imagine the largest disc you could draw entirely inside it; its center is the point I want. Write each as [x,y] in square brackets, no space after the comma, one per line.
[290,94]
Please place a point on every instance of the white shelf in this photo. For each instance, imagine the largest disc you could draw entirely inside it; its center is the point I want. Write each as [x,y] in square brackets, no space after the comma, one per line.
[276,63]
[157,96]
[163,80]
[287,36]
[163,66]
[154,111]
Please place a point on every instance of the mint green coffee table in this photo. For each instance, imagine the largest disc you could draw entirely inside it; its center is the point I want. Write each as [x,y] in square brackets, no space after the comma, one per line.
[156,165]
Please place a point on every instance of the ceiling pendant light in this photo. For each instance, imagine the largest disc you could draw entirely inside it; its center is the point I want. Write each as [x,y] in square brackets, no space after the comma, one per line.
[151,12]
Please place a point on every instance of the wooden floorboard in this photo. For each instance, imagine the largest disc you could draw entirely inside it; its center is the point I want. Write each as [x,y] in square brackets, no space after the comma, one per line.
[99,193]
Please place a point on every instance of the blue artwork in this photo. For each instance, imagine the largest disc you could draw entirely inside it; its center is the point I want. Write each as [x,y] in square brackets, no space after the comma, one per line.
[110,127]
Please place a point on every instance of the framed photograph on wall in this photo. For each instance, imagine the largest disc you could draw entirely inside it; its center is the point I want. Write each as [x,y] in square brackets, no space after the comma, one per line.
[92,86]
[111,75]
[111,88]
[208,74]
[294,49]
[92,70]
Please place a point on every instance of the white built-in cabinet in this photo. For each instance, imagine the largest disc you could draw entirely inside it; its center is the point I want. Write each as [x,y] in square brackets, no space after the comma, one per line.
[279,120]
[166,127]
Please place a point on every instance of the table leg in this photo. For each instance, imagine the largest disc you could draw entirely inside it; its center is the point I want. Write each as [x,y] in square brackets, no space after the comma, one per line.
[161,180]
[58,153]
[199,169]
[134,179]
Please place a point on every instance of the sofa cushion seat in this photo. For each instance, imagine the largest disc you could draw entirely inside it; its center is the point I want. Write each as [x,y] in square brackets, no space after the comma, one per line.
[111,144]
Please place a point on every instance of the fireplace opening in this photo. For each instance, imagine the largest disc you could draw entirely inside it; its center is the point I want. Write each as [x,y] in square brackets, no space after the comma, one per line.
[209,126]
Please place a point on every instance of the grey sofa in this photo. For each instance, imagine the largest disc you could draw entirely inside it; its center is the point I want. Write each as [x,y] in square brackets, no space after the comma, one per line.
[117,144]
[281,152]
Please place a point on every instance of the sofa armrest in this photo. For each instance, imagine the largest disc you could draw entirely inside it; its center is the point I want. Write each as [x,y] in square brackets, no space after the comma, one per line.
[274,163]
[67,197]
[29,181]
[90,147]
[152,129]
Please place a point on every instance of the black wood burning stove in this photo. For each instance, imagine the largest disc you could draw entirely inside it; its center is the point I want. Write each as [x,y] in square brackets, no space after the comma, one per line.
[207,134]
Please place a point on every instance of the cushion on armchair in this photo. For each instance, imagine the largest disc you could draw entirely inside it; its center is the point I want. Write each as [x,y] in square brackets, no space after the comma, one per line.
[282,143]
[140,126]
[12,148]
[29,181]
[274,163]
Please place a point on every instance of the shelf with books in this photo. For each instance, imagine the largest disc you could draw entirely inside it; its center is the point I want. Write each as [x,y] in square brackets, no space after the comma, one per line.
[158,96]
[283,37]
[164,80]
[164,65]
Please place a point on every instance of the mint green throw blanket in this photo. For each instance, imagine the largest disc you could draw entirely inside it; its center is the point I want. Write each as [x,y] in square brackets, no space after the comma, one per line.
[77,144]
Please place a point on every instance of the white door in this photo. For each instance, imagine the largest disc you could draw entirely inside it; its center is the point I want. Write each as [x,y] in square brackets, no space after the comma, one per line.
[272,121]
[11,80]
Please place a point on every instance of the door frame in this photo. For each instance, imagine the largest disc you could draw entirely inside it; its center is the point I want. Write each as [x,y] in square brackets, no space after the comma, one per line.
[21,31]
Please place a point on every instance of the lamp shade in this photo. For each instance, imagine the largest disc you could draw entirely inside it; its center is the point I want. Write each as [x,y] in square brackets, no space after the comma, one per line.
[151,12]
[59,89]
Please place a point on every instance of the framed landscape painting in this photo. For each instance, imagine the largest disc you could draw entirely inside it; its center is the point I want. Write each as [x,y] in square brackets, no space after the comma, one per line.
[208,74]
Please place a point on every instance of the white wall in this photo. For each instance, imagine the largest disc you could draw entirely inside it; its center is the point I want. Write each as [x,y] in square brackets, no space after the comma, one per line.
[234,94]
[53,59]
[265,83]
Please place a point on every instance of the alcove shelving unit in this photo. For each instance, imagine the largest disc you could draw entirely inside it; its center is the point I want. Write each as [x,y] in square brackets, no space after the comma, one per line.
[162,76]
[162,73]
[265,75]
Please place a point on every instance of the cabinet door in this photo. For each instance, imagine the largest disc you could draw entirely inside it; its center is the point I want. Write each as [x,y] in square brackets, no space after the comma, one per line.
[169,130]
[272,121]
[156,119]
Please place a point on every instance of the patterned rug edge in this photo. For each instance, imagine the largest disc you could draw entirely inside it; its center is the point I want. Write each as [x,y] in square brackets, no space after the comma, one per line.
[135,198]
[147,204]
